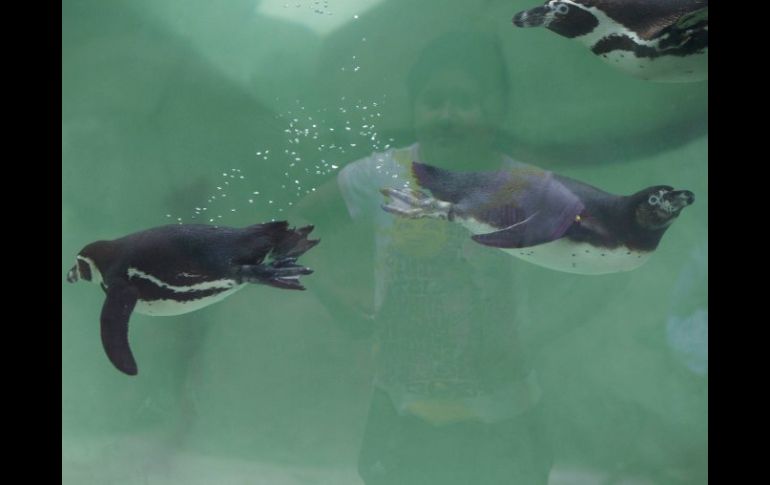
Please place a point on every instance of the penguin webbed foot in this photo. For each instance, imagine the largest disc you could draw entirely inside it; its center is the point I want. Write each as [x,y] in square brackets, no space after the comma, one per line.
[415,204]
[281,273]
[284,262]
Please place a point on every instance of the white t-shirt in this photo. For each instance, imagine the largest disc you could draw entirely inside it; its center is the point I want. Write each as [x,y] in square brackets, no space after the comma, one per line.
[445,306]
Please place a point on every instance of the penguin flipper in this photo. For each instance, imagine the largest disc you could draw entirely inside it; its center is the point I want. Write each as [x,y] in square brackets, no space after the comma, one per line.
[520,235]
[116,311]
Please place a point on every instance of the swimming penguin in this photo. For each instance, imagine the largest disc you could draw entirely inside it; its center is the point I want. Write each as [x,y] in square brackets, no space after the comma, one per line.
[658,40]
[544,218]
[176,269]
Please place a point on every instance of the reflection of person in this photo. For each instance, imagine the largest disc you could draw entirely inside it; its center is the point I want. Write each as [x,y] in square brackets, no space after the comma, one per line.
[687,325]
[455,400]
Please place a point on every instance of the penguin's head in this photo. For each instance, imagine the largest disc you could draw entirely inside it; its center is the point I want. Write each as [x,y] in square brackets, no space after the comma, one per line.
[564,17]
[657,207]
[85,266]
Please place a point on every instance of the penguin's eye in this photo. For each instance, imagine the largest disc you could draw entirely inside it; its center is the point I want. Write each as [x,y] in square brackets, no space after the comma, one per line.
[561,9]
[653,200]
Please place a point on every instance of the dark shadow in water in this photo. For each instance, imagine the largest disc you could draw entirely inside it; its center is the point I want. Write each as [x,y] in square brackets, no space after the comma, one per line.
[668,114]
[149,119]
[455,399]
[458,329]
[148,125]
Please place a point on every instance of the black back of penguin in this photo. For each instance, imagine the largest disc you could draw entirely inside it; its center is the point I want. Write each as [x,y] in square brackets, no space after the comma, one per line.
[181,254]
[646,17]
[657,40]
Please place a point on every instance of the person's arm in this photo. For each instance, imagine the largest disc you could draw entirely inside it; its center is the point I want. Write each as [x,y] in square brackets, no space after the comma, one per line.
[343,263]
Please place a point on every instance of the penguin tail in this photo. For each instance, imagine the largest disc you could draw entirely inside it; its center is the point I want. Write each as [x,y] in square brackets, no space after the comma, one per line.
[280,241]
[283,270]
[292,243]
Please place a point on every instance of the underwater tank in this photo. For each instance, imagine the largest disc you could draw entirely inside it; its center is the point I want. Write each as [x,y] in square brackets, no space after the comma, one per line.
[416,354]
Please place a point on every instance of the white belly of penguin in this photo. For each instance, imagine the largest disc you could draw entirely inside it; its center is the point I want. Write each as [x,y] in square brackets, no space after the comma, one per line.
[186,302]
[167,308]
[570,257]
[581,258]
[663,68]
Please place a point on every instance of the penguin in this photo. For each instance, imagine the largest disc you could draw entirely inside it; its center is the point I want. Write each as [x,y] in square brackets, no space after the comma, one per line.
[544,218]
[176,269]
[656,40]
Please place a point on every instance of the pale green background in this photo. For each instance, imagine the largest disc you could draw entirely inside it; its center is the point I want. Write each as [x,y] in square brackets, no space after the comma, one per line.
[160,98]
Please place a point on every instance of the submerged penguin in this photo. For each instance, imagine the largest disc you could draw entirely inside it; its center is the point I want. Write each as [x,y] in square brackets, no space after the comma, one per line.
[658,40]
[176,269]
[544,218]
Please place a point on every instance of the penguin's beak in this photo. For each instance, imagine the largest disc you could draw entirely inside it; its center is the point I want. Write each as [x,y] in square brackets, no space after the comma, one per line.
[532,18]
[680,199]
[72,274]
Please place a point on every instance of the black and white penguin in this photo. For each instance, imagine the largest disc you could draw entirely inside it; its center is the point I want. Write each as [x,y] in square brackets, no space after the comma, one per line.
[176,269]
[546,219]
[658,40]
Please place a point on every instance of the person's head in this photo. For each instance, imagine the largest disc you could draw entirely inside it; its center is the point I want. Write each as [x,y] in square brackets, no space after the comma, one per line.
[459,88]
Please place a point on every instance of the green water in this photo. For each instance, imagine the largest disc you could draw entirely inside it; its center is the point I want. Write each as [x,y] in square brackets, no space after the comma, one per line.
[169,103]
